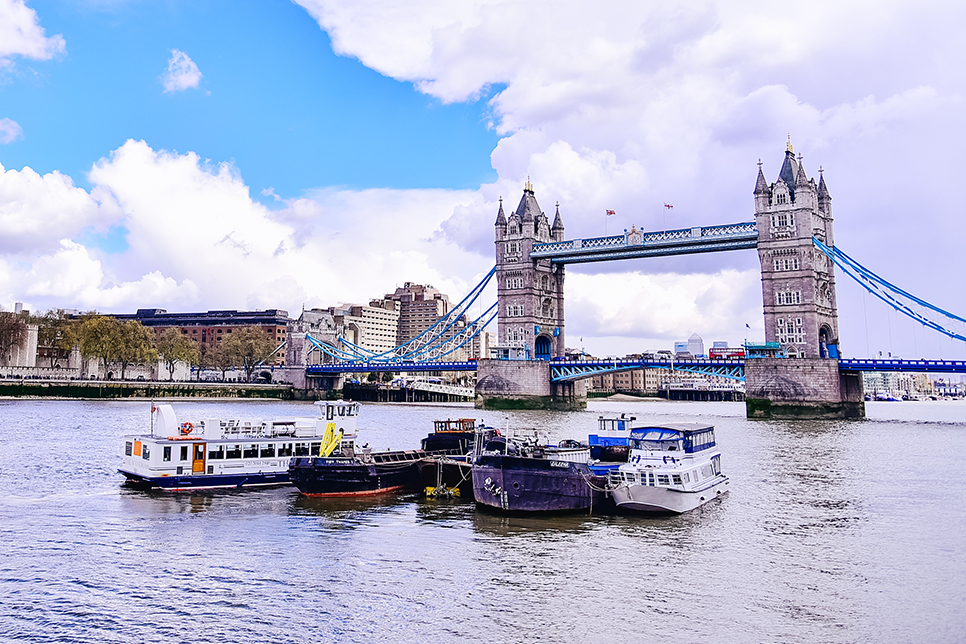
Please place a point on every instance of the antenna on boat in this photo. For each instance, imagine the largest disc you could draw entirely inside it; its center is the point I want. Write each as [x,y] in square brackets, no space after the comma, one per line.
[152,416]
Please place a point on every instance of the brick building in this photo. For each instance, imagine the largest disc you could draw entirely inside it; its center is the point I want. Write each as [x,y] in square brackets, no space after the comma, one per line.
[208,329]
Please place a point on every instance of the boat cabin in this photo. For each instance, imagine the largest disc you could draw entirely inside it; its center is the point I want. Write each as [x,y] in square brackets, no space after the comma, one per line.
[685,438]
[244,448]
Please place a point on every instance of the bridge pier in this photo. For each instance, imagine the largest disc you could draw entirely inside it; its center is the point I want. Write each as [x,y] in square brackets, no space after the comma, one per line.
[802,388]
[525,384]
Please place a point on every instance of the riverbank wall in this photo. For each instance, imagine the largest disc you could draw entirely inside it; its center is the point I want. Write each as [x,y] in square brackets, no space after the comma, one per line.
[106,389]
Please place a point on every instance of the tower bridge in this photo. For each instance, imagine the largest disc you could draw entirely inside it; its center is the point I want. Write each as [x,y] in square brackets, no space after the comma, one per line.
[792,233]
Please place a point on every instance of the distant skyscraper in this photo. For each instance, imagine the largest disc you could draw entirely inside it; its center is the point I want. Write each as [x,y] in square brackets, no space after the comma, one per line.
[695,345]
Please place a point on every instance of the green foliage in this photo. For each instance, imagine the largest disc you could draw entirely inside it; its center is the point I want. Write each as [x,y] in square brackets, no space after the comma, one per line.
[214,356]
[98,337]
[174,346]
[56,332]
[13,333]
[115,342]
[248,347]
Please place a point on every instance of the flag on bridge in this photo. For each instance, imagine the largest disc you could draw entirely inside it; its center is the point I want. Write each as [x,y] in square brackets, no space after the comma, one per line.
[668,206]
[611,212]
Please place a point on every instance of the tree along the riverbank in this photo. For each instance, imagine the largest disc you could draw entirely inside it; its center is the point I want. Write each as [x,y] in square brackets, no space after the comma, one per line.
[174,346]
[248,347]
[114,342]
[13,333]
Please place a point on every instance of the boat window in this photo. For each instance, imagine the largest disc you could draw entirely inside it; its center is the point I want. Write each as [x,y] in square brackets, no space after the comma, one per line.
[251,451]
[145,452]
[301,449]
[716,465]
[166,455]
[315,448]
[650,478]
[267,451]
[234,451]
[662,479]
[285,449]
[329,413]
[184,452]
[341,410]
[216,452]
[676,479]
[128,448]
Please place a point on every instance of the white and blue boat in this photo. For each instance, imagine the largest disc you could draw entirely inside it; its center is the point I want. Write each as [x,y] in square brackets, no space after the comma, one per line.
[671,469]
[240,452]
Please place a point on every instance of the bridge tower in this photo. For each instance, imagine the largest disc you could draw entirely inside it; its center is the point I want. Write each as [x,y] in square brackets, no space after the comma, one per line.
[530,323]
[797,280]
[798,292]
[530,291]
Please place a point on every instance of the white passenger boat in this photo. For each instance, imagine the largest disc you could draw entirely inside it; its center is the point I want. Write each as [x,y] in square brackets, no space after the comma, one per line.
[212,453]
[671,469]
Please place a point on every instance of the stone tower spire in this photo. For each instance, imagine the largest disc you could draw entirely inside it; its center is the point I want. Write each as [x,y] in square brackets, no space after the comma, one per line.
[558,225]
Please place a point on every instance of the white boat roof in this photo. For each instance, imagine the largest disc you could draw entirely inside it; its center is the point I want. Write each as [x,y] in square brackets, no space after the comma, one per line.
[668,431]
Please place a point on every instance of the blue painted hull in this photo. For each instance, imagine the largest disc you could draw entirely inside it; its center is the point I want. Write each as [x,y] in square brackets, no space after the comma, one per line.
[206,481]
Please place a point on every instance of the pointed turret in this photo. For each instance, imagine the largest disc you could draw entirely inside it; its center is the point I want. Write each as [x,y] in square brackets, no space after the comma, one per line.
[558,225]
[824,198]
[823,194]
[789,171]
[500,216]
[528,210]
[801,179]
[761,186]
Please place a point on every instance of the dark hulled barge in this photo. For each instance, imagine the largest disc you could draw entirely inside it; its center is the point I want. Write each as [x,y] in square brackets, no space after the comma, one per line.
[442,462]
[513,475]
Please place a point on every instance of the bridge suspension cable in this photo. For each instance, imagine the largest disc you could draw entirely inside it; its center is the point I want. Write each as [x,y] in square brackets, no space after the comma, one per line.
[437,341]
[923,312]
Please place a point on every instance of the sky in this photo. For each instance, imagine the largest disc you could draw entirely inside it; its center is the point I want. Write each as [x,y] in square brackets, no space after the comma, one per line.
[234,154]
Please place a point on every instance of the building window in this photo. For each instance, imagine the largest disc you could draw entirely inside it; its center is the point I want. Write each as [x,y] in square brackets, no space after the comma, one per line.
[786,263]
[788,297]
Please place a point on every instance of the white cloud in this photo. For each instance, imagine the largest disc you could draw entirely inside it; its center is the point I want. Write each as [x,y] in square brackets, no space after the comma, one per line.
[37,211]
[182,73]
[197,240]
[22,35]
[628,105]
[10,131]
[625,106]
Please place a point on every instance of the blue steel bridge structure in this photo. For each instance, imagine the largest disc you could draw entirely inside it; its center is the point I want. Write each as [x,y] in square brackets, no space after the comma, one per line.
[427,352]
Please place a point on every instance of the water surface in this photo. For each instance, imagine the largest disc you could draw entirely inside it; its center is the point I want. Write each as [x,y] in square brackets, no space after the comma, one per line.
[847,531]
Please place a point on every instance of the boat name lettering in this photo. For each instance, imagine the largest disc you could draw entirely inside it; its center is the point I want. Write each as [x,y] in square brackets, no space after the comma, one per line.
[561,464]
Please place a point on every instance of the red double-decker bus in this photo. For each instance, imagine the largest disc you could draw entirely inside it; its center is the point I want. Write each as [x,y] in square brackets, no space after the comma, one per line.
[726,353]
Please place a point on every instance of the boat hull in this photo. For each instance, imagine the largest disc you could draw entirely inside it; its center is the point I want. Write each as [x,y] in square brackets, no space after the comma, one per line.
[444,474]
[205,482]
[648,499]
[519,484]
[347,477]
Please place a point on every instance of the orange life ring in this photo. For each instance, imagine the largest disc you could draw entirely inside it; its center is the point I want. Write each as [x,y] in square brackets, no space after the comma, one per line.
[186,428]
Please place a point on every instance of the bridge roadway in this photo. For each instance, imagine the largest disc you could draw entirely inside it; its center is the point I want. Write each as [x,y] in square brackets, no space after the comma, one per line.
[567,370]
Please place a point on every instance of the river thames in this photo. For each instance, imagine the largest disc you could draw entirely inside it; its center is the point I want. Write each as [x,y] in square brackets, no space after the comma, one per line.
[848,531]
